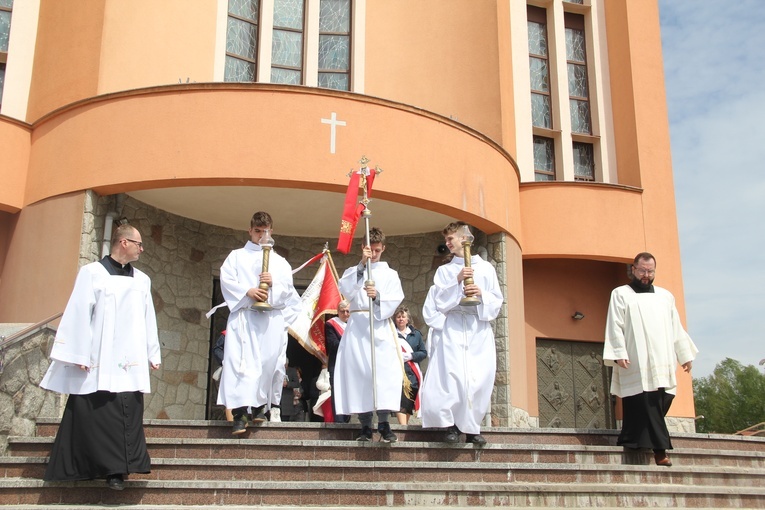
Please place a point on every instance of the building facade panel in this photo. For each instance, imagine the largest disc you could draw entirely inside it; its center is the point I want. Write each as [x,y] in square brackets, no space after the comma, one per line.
[440,97]
[15,140]
[270,135]
[578,220]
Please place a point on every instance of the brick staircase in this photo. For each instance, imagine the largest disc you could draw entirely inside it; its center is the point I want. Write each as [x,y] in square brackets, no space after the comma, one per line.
[199,463]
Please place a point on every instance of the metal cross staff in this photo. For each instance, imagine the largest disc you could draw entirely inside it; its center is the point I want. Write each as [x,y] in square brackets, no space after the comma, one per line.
[367,214]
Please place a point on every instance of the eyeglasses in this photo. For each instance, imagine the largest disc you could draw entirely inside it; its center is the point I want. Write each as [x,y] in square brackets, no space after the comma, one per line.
[645,272]
[137,243]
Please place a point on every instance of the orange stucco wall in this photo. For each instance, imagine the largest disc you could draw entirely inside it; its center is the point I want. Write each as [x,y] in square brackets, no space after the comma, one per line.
[454,68]
[32,288]
[580,220]
[201,134]
[148,43]
[67,55]
[14,151]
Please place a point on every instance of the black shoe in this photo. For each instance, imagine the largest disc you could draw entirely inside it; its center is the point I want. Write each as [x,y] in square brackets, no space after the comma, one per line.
[240,424]
[386,434]
[115,482]
[365,435]
[258,415]
[452,435]
[476,439]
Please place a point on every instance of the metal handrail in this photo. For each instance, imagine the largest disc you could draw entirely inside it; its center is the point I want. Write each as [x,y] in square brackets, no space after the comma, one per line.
[5,341]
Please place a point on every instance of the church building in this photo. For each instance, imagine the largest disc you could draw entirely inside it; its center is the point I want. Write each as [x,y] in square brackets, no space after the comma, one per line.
[542,123]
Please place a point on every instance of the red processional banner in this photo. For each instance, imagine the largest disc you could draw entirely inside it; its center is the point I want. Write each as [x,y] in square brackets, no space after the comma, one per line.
[352,210]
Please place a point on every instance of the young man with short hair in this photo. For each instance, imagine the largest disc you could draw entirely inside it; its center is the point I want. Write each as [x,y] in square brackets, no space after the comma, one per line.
[354,393]
[256,340]
[456,393]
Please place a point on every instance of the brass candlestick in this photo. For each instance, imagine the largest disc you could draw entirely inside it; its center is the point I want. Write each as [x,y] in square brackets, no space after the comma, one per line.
[467,242]
[266,243]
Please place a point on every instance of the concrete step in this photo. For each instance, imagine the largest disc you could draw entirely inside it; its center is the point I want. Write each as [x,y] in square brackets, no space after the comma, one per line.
[409,451]
[361,495]
[306,464]
[391,471]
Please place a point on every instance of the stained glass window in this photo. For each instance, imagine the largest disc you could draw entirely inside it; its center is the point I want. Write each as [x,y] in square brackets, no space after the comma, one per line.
[247,9]
[541,103]
[335,44]
[541,112]
[584,162]
[287,47]
[5,29]
[544,159]
[576,56]
[241,40]
[288,41]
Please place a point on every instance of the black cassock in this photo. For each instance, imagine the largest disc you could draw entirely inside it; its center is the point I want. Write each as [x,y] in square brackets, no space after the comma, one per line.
[100,433]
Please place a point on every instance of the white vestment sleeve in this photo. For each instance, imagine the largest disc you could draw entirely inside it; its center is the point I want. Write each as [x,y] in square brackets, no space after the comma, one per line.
[74,337]
[234,288]
[685,349]
[615,346]
[152,336]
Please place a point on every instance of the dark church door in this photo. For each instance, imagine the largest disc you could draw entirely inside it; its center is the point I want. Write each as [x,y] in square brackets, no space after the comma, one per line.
[572,385]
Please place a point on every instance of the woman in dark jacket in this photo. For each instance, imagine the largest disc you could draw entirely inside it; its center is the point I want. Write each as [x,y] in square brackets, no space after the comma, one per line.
[413,352]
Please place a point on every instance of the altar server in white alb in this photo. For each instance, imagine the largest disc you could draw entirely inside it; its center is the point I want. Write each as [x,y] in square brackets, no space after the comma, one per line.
[456,393]
[645,342]
[105,345]
[353,369]
[256,340]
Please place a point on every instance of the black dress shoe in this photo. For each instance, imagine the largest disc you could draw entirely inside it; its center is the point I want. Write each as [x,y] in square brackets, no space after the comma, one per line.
[115,482]
[452,435]
[476,439]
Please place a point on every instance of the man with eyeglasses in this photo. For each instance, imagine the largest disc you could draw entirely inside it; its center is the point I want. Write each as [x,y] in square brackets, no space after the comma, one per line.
[256,339]
[105,345]
[645,342]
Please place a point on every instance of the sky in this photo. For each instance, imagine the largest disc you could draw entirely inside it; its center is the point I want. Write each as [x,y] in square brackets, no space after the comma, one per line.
[714,65]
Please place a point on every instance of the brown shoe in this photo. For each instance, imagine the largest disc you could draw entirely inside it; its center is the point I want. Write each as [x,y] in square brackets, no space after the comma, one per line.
[662,459]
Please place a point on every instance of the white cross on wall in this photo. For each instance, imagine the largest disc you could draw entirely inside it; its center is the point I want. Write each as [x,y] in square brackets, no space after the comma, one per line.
[333,122]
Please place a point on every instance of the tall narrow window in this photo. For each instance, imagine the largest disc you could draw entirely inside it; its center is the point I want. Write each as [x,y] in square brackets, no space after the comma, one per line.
[577,74]
[584,162]
[5,33]
[335,44]
[287,49]
[242,40]
[541,104]
[544,159]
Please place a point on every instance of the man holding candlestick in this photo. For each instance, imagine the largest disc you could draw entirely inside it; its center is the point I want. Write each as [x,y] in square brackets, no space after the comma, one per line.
[456,393]
[257,287]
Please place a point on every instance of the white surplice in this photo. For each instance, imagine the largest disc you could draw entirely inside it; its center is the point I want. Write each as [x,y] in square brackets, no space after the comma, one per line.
[108,325]
[645,329]
[463,360]
[256,341]
[353,369]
